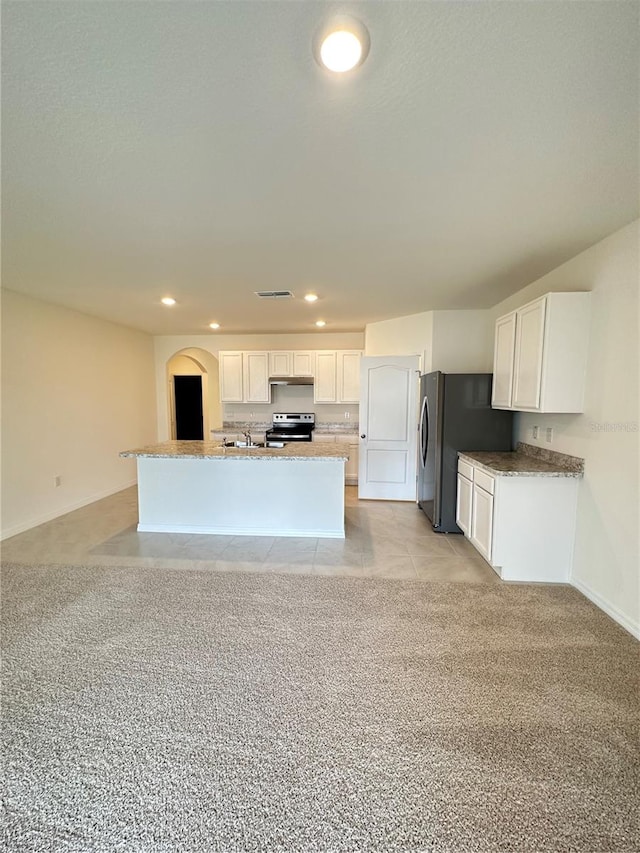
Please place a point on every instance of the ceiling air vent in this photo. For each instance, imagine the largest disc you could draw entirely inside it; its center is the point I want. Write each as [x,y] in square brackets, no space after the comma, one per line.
[274,294]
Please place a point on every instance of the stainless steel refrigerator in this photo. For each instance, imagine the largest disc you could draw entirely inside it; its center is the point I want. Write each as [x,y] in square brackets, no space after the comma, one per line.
[455,414]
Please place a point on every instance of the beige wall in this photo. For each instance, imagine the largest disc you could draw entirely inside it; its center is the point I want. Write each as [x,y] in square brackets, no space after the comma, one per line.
[411,335]
[607,555]
[462,341]
[166,346]
[75,392]
[451,341]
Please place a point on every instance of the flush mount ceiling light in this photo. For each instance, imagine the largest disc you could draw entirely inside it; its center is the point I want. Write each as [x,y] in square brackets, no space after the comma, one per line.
[214,325]
[342,44]
[310,297]
[168,300]
[320,323]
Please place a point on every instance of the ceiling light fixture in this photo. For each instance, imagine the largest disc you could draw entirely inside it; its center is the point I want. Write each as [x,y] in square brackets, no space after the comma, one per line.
[168,300]
[214,325]
[310,297]
[342,44]
[320,323]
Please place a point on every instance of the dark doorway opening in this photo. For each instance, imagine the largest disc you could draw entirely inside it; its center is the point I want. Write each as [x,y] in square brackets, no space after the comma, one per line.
[187,392]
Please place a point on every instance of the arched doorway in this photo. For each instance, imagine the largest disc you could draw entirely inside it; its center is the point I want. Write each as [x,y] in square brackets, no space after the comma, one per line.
[193,393]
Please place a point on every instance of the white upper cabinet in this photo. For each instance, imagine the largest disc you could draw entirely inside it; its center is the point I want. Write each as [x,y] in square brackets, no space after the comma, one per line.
[231,384]
[256,377]
[540,355]
[527,366]
[349,376]
[288,363]
[325,385]
[280,363]
[304,363]
[337,376]
[505,342]
[244,377]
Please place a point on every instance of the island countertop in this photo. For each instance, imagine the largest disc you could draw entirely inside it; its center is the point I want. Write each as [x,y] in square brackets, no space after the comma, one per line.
[296,450]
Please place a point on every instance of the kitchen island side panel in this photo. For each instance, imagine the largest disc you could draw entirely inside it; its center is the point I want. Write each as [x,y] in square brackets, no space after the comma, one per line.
[248,497]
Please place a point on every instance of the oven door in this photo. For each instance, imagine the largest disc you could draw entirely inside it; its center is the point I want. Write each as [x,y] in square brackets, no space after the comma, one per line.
[283,435]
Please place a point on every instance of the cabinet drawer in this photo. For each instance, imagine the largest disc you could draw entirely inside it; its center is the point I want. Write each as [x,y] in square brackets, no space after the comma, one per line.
[484,481]
[465,469]
[347,439]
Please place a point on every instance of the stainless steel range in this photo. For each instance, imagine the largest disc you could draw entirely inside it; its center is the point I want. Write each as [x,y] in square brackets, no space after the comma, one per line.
[290,427]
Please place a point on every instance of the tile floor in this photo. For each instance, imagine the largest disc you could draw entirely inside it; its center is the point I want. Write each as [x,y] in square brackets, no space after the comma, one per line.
[384,539]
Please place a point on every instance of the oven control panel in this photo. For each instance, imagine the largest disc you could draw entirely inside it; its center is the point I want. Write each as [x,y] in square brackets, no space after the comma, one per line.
[293,418]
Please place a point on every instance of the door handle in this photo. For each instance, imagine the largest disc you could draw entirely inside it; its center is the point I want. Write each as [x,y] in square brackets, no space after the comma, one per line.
[362,435]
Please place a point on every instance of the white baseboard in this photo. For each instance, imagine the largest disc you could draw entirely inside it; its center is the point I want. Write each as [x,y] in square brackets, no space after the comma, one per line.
[632,627]
[49,516]
[240,531]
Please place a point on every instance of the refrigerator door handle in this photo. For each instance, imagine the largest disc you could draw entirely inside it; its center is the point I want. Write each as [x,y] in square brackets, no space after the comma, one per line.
[424,432]
[437,497]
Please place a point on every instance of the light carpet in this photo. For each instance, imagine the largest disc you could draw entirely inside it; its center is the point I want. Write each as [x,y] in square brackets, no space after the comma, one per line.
[158,710]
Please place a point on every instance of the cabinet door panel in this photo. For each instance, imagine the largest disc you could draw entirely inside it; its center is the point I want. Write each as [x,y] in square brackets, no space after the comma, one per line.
[503,356]
[349,377]
[231,389]
[279,364]
[256,377]
[528,361]
[303,363]
[351,468]
[482,521]
[463,504]
[324,385]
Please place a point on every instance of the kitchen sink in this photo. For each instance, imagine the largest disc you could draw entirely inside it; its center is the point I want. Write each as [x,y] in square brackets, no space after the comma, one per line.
[243,444]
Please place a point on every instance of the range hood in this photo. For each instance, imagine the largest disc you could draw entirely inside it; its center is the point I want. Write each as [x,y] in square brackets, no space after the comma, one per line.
[291,380]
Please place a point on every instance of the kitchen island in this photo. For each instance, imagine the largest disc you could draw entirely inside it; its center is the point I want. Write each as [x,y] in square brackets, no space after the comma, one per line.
[202,487]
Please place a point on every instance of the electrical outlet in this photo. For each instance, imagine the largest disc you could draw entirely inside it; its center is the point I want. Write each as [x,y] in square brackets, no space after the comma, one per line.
[549,435]
[347,415]
[57,481]
[535,432]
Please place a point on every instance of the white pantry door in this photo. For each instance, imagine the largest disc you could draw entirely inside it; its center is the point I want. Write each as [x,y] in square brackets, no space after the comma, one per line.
[389,387]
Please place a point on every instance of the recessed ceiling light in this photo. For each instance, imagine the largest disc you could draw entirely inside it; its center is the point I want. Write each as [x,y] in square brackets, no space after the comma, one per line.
[310,297]
[214,325]
[342,45]
[320,323]
[168,300]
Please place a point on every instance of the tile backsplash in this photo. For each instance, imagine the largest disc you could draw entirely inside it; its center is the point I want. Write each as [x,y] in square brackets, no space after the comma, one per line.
[291,398]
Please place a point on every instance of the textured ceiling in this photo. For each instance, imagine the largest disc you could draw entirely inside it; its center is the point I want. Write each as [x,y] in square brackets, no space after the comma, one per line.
[196,149]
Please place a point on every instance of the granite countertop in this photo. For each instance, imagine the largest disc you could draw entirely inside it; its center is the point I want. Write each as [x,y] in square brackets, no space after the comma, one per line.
[526,461]
[339,428]
[310,451]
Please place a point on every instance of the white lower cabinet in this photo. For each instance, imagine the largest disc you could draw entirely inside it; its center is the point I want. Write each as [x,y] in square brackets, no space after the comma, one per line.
[351,466]
[464,497]
[463,504]
[482,521]
[523,526]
